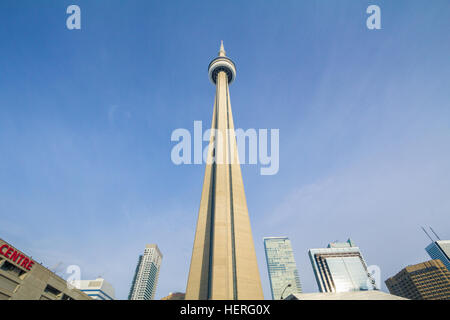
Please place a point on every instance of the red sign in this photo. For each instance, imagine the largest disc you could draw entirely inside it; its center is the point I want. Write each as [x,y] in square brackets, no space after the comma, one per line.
[16,256]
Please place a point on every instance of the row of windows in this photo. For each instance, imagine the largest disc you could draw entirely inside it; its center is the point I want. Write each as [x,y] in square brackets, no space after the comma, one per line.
[12,269]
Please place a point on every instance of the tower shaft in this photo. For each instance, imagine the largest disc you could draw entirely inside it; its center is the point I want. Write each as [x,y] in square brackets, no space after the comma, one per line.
[223,264]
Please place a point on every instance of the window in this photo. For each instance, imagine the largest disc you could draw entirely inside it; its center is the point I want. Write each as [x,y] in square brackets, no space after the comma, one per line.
[50,289]
[9,267]
[66,297]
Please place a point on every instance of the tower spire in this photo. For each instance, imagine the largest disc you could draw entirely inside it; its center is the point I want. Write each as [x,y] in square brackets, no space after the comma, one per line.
[222,50]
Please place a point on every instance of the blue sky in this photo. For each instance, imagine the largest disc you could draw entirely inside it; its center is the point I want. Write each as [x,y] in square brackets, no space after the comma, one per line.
[86,118]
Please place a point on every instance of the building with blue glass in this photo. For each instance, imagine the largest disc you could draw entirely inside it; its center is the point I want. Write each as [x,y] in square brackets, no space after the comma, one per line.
[440,249]
[97,289]
[340,268]
[281,266]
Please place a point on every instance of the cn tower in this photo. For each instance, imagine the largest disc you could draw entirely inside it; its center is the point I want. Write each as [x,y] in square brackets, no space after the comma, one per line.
[223,264]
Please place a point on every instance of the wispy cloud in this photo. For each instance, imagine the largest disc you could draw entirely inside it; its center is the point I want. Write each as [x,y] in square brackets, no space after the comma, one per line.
[112,114]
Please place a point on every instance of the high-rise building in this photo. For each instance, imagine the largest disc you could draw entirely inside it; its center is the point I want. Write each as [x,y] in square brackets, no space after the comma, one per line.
[223,263]
[341,268]
[281,266]
[428,280]
[438,249]
[146,275]
[97,289]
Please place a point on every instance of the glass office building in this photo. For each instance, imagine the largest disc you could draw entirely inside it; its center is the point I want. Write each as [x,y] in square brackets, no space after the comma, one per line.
[281,266]
[340,268]
[440,249]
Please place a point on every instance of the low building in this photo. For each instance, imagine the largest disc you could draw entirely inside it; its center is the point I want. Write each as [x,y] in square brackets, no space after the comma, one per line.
[351,295]
[21,278]
[428,280]
[97,289]
[174,296]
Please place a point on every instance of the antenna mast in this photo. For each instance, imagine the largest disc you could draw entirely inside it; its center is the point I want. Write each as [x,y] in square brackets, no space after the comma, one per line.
[435,233]
[427,234]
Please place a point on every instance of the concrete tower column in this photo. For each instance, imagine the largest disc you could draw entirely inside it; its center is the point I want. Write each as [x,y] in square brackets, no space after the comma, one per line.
[223,264]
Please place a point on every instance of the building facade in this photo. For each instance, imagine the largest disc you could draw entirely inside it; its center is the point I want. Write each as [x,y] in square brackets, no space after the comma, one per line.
[429,280]
[22,278]
[146,275]
[281,266]
[223,263]
[174,296]
[440,249]
[97,289]
[341,268]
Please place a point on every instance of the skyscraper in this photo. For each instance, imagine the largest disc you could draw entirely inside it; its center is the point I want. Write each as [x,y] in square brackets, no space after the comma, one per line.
[429,280]
[146,275]
[281,266]
[340,268]
[223,263]
[440,249]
